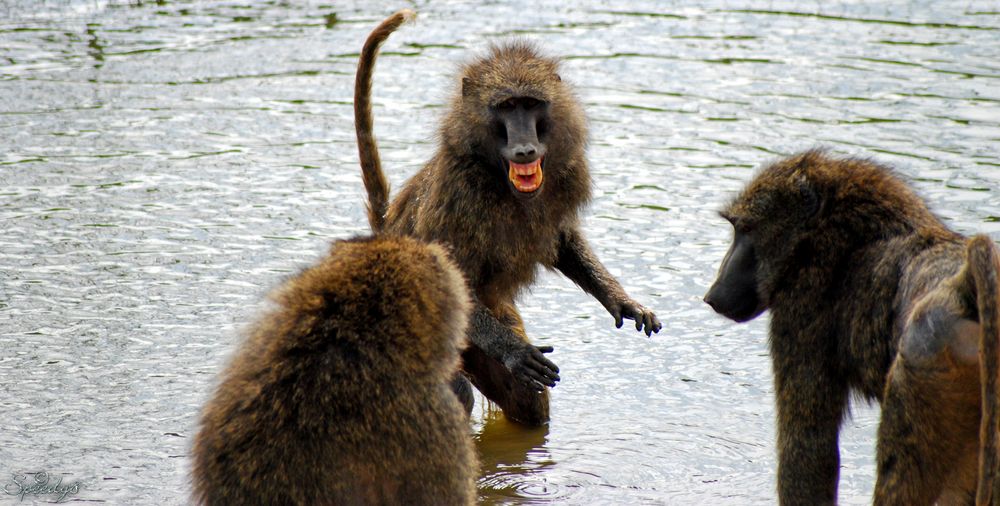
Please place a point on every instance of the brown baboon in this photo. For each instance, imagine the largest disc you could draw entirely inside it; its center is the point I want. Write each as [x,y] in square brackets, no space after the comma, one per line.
[869,294]
[342,395]
[503,193]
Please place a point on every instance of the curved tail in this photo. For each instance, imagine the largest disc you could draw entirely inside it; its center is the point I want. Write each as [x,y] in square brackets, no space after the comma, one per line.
[371,166]
[984,264]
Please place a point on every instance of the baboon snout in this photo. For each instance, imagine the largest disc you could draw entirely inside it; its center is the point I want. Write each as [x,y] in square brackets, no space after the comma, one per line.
[716,300]
[524,150]
[734,293]
[739,303]
[522,142]
[708,299]
[524,153]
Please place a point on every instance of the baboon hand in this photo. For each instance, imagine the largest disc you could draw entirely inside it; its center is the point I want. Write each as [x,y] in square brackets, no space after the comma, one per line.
[529,365]
[644,318]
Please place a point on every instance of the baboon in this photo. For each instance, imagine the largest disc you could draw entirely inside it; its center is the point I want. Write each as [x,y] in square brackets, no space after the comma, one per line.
[870,294]
[342,394]
[503,192]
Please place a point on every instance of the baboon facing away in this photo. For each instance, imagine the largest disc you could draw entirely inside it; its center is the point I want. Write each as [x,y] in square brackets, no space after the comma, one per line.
[503,192]
[342,394]
[869,294]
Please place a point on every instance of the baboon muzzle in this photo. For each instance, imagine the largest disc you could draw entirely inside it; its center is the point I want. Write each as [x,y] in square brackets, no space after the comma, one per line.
[523,153]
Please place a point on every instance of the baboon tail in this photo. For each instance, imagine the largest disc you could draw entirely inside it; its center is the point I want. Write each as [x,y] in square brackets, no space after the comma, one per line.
[371,167]
[983,264]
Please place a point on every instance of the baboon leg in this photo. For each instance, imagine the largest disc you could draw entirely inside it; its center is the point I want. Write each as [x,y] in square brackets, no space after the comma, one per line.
[929,433]
[518,401]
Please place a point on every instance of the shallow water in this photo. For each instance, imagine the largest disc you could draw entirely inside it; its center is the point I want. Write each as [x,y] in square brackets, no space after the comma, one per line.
[162,164]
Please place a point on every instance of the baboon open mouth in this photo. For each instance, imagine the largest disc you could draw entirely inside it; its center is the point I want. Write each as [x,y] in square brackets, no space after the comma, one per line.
[526,177]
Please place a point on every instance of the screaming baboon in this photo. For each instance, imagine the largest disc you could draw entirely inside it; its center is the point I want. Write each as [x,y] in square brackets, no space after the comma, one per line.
[869,294]
[503,192]
[342,395]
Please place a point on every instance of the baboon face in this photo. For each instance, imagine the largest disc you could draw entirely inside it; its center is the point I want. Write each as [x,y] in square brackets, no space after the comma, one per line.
[520,127]
[516,115]
[734,293]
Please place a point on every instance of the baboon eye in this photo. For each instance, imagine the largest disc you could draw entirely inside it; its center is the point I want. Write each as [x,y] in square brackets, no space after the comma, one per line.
[507,105]
[740,226]
[500,129]
[530,103]
[542,127]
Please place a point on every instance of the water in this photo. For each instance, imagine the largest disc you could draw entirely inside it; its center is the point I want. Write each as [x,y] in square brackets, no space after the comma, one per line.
[162,164]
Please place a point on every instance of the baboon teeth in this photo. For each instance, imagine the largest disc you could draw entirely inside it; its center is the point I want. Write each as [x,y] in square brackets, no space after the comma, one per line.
[527,177]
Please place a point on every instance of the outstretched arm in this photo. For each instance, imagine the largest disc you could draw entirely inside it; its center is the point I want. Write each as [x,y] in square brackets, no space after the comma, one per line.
[500,341]
[580,264]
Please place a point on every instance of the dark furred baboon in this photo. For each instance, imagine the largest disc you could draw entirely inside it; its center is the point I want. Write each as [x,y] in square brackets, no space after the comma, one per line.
[503,192]
[869,294]
[342,394]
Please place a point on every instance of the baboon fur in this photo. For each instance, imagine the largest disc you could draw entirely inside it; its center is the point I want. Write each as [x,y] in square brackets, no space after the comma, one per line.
[870,294]
[341,395]
[462,199]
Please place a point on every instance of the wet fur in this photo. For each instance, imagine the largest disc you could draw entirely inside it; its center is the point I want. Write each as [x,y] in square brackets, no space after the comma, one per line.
[461,198]
[871,294]
[341,394]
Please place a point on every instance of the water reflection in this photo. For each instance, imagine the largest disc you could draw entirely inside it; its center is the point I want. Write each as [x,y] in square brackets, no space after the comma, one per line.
[509,453]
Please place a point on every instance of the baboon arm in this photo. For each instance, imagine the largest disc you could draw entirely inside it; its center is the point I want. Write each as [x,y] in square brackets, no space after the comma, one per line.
[581,265]
[810,409]
[498,341]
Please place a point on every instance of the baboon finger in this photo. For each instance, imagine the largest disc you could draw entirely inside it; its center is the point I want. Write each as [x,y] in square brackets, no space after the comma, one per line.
[545,363]
[547,372]
[652,324]
[541,364]
[535,379]
[656,322]
[618,318]
[544,349]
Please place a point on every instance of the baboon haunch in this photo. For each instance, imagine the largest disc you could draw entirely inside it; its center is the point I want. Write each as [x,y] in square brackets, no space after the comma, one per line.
[503,192]
[869,294]
[341,395]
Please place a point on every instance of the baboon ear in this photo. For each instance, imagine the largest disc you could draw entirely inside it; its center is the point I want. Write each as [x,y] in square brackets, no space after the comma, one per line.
[557,77]
[468,86]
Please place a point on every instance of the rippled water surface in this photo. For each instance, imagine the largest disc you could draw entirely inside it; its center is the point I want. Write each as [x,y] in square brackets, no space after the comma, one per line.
[162,164]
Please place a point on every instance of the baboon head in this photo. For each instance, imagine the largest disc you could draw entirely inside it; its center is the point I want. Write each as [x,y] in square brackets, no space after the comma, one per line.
[402,301]
[798,219]
[770,218]
[515,113]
